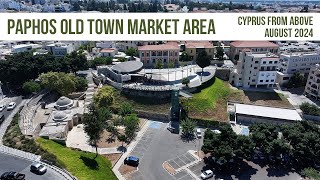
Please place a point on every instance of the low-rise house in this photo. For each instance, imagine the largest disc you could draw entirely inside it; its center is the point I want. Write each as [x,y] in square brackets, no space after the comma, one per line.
[108,52]
[193,48]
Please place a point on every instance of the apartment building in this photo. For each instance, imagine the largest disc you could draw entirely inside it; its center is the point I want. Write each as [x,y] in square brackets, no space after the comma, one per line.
[255,46]
[313,84]
[296,62]
[150,54]
[60,49]
[255,70]
[193,48]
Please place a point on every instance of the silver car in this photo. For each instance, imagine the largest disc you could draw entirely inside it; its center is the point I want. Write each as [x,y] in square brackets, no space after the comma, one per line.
[38,168]
[2,107]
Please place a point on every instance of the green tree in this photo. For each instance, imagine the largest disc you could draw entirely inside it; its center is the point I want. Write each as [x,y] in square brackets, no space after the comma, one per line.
[159,64]
[62,83]
[31,87]
[185,81]
[171,64]
[94,123]
[131,123]
[188,127]
[220,53]
[81,83]
[100,61]
[185,57]
[122,59]
[122,138]
[131,52]
[78,61]
[296,80]
[203,60]
[244,147]
[125,109]
[105,96]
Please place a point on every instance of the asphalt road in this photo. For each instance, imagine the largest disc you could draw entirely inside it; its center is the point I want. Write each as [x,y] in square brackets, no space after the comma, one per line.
[6,112]
[12,163]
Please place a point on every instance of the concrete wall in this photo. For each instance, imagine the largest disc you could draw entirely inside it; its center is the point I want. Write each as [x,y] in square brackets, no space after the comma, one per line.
[247,120]
[153,116]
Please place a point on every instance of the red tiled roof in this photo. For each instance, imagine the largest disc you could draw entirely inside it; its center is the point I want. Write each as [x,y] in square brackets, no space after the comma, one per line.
[108,50]
[198,44]
[251,44]
[167,46]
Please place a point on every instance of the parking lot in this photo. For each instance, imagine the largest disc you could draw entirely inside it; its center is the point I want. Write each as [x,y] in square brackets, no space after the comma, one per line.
[181,160]
[183,175]
[158,145]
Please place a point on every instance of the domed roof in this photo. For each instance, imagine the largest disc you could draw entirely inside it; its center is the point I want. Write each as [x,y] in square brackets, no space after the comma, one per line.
[64,101]
[59,116]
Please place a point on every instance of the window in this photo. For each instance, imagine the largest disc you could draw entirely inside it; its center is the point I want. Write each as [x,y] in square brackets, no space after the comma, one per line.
[270,62]
[248,83]
[261,80]
[256,62]
[251,65]
[142,54]
[153,60]
[249,78]
[148,61]
[272,80]
[147,54]
[255,68]
[253,80]
[240,79]
[264,62]
[267,80]
[164,60]
[309,82]
[190,51]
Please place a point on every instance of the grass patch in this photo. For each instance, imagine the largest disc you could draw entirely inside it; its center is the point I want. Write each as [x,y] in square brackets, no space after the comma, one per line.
[15,139]
[311,173]
[81,164]
[210,100]
[144,103]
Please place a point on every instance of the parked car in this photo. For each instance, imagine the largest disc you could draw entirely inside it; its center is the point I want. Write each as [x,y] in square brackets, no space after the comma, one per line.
[206,174]
[198,133]
[132,161]
[2,107]
[11,106]
[38,168]
[12,176]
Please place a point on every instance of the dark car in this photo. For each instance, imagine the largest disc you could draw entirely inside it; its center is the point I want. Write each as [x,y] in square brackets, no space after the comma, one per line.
[12,176]
[1,118]
[132,161]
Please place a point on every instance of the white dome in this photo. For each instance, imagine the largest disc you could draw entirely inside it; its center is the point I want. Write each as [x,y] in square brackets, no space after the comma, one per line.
[59,116]
[64,101]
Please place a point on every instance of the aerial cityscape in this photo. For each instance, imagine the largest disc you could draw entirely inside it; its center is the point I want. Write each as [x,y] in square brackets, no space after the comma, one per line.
[159,110]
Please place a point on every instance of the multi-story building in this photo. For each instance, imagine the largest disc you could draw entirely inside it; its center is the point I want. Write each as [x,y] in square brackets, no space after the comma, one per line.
[24,47]
[313,84]
[297,62]
[255,46]
[193,48]
[60,49]
[150,54]
[255,70]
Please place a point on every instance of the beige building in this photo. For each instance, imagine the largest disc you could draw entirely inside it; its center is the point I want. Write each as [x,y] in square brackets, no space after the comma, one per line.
[313,84]
[296,62]
[150,54]
[194,47]
[255,46]
[255,70]
[108,52]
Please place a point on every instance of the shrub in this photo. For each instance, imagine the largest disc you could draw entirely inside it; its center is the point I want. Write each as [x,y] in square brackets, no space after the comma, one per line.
[310,109]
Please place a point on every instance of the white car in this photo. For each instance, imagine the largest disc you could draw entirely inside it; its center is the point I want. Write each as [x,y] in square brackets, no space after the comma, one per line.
[206,174]
[2,107]
[11,106]
[198,132]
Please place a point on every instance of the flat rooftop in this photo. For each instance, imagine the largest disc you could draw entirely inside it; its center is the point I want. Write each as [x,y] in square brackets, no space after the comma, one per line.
[269,112]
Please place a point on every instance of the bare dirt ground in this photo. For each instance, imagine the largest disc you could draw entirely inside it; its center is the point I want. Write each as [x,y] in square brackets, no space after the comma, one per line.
[125,169]
[113,157]
[107,141]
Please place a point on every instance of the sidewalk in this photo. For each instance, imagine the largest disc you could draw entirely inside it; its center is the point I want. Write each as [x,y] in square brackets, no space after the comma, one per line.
[116,167]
